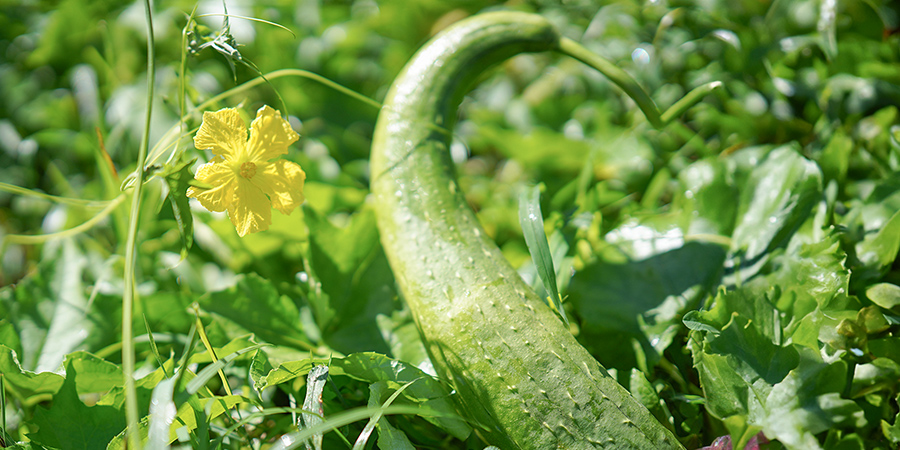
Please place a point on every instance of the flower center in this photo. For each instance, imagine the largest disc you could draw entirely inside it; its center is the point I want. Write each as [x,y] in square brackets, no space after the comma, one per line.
[248,169]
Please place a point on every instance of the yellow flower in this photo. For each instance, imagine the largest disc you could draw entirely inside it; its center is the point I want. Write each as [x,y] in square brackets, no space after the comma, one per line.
[244,179]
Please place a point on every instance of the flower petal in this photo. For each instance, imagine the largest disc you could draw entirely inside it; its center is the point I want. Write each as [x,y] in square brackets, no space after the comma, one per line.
[283,182]
[221,177]
[223,132]
[251,210]
[270,135]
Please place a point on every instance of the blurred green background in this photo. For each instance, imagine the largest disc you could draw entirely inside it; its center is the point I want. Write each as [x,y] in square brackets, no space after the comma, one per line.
[820,76]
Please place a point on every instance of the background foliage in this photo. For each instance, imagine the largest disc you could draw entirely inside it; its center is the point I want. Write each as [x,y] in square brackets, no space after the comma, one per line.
[736,271]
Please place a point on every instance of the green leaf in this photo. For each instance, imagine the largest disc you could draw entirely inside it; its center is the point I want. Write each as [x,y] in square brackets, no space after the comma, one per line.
[373,367]
[388,436]
[879,252]
[71,424]
[259,368]
[9,337]
[892,431]
[402,335]
[738,367]
[94,373]
[885,295]
[707,198]
[836,156]
[351,282]
[642,299]
[808,402]
[533,229]
[776,199]
[178,176]
[49,308]
[25,384]
[255,305]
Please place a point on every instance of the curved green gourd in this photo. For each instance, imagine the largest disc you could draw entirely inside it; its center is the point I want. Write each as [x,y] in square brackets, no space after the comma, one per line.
[516,368]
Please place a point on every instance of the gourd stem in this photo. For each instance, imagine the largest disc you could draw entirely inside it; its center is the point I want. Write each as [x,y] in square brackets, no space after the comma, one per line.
[616,75]
[633,89]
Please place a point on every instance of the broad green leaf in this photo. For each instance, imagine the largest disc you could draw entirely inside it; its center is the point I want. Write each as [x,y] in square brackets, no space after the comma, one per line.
[94,374]
[350,281]
[288,371]
[776,199]
[707,199]
[835,159]
[808,401]
[94,427]
[738,367]
[532,223]
[255,305]
[741,432]
[642,299]
[373,367]
[880,376]
[25,384]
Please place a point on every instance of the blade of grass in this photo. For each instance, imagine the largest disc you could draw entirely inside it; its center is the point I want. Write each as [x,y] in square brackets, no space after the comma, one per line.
[3,435]
[533,229]
[211,370]
[153,348]
[294,440]
[315,384]
[162,414]
[254,19]
[367,431]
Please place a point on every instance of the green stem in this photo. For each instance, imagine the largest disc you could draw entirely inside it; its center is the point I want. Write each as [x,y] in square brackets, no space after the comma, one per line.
[633,89]
[616,75]
[173,133]
[294,73]
[128,357]
[40,238]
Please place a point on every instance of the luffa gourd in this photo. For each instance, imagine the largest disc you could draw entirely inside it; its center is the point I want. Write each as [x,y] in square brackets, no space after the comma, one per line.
[516,368]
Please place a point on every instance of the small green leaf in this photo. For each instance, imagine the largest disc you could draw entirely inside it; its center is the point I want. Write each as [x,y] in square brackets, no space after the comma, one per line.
[259,368]
[892,432]
[885,295]
[879,252]
[533,229]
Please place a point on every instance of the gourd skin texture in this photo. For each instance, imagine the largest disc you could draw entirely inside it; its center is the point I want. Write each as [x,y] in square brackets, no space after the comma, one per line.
[516,368]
